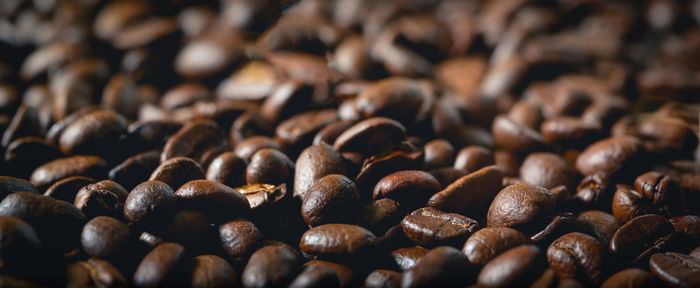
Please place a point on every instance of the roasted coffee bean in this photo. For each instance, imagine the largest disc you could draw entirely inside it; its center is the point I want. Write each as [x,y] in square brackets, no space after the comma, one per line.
[507,161]
[313,163]
[9,185]
[344,273]
[598,224]
[411,188]
[448,175]
[675,270]
[595,189]
[316,276]
[430,227]
[66,189]
[610,155]
[443,266]
[661,190]
[271,266]
[287,98]
[519,205]
[239,238]
[27,153]
[489,242]
[438,153]
[337,240]
[151,202]
[163,266]
[247,125]
[193,139]
[521,264]
[408,257]
[332,199]
[56,222]
[227,169]
[636,239]
[371,136]
[577,255]
[177,171]
[135,169]
[526,113]
[106,238]
[672,135]
[79,165]
[20,241]
[376,167]
[469,194]
[515,137]
[96,133]
[396,98]
[217,201]
[94,273]
[297,132]
[212,271]
[569,131]
[379,215]
[383,278]
[189,228]
[248,147]
[102,198]
[627,203]
[473,158]
[147,135]
[270,166]
[548,170]
[631,277]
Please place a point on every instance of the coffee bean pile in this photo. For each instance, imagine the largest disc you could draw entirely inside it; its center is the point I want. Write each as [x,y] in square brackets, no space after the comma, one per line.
[349,143]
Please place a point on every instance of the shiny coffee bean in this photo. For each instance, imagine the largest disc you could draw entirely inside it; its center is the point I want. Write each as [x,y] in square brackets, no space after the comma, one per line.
[577,255]
[610,155]
[332,199]
[106,238]
[598,224]
[639,237]
[212,271]
[239,238]
[548,170]
[438,153]
[411,188]
[102,198]
[151,202]
[383,278]
[164,265]
[519,205]
[270,166]
[408,257]
[473,158]
[675,270]
[9,185]
[519,265]
[631,277]
[469,194]
[443,266]
[370,136]
[430,227]
[316,276]
[489,242]
[79,165]
[66,189]
[227,169]
[315,162]
[271,266]
[177,171]
[135,169]
[216,201]
[337,241]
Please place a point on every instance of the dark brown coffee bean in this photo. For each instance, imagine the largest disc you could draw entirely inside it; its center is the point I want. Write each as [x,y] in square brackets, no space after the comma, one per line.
[548,170]
[695,253]
[270,166]
[151,202]
[135,169]
[332,199]
[58,223]
[687,225]
[248,125]
[675,269]
[379,215]
[610,155]
[595,189]
[631,277]
[163,266]
[330,240]
[27,153]
[94,273]
[396,98]
[514,137]
[66,189]
[376,167]
[331,131]
[443,266]
[148,135]
[671,135]
[489,242]
[217,201]
[519,205]
[316,276]
[383,278]
[577,255]
[184,94]
[641,236]
[193,140]
[430,227]
[20,241]
[516,266]
[288,98]
[371,136]
[473,158]
[411,188]
[315,162]
[248,147]
[448,175]
[569,131]
[297,132]
[408,257]
[177,171]
[526,113]
[105,237]
[212,271]
[227,169]
[189,228]
[96,133]
[271,266]
[239,239]
[102,198]
[438,153]
[344,273]
[598,224]
[661,190]
[9,185]
[79,165]
[470,194]
[627,203]
[507,161]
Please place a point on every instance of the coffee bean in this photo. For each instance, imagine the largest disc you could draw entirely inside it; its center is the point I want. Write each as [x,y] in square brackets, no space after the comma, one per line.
[473,158]
[79,165]
[489,242]
[297,132]
[248,147]
[148,135]
[192,140]
[217,201]
[569,131]
[135,169]
[469,194]
[640,236]
[598,224]
[316,276]
[526,113]
[106,238]
[548,170]
[438,153]
[443,266]
[151,202]
[163,266]
[448,175]
[9,185]
[371,136]
[94,134]
[595,189]
[383,278]
[577,255]
[627,203]
[411,188]
[248,125]
[337,240]
[430,227]
[102,198]
[396,98]
[675,270]
[27,153]
[20,242]
[191,229]
[227,169]
[344,273]
[332,199]
[661,190]
[331,131]
[271,266]
[287,98]
[378,216]
[520,205]
[270,166]
[376,167]
[408,257]
[66,189]
[515,137]
[177,171]
[239,238]
[610,155]
[521,264]
[313,163]
[212,271]
[631,277]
